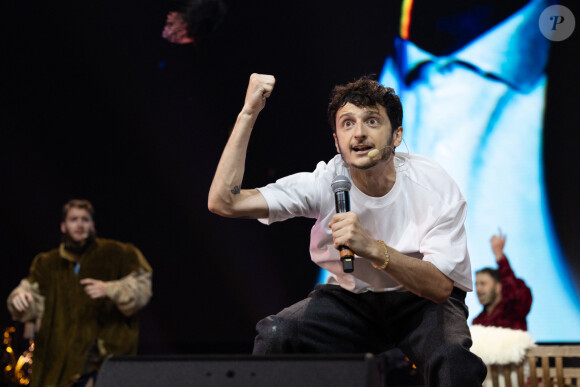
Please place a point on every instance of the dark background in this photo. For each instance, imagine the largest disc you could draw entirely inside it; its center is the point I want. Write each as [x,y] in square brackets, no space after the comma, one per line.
[96,105]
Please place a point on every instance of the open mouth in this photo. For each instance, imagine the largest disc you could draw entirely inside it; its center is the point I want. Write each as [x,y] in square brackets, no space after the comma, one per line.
[362,148]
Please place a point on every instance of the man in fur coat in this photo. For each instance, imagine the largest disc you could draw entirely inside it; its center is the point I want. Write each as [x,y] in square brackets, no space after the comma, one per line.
[83,296]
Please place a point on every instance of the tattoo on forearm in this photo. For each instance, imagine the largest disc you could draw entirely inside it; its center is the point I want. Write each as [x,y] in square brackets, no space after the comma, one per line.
[236,190]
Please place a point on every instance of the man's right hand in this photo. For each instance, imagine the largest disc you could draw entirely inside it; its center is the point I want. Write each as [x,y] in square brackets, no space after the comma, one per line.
[22,301]
[259,88]
[497,245]
[226,198]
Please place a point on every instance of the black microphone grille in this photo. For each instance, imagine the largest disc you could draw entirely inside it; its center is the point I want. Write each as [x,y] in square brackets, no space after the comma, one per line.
[340,183]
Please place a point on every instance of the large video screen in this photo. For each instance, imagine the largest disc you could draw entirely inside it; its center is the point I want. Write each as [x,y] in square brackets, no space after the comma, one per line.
[480,108]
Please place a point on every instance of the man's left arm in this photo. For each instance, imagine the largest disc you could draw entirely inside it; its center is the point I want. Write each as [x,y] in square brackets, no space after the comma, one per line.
[514,290]
[130,293]
[420,277]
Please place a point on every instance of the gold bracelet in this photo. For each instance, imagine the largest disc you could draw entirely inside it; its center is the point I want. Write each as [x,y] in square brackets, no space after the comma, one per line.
[387,258]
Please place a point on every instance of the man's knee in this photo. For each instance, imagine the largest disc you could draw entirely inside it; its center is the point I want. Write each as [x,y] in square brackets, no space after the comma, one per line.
[455,363]
[274,336]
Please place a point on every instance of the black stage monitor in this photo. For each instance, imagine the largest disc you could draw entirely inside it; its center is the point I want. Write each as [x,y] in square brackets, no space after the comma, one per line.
[240,371]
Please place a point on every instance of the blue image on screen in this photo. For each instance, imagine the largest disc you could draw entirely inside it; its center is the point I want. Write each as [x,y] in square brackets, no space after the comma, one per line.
[479,113]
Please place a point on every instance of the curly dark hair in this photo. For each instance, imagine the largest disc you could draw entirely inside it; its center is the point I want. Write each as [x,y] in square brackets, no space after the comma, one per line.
[366,92]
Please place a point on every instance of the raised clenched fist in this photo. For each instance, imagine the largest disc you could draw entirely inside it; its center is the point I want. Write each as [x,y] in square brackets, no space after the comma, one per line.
[259,88]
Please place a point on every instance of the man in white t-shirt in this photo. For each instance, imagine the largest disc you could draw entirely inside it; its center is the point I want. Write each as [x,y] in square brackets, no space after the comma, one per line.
[405,228]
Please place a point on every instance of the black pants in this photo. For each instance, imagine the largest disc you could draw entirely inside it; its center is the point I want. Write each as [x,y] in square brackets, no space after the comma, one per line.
[333,320]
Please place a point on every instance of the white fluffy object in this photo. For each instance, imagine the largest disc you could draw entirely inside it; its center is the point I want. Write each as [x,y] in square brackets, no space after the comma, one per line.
[496,345]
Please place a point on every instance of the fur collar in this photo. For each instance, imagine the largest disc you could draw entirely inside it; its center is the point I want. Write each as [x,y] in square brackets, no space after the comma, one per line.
[495,345]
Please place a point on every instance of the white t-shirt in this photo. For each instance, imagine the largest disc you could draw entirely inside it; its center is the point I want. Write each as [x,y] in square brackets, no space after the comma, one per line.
[422,216]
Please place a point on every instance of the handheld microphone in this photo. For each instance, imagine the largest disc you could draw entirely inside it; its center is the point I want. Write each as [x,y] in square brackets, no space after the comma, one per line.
[340,186]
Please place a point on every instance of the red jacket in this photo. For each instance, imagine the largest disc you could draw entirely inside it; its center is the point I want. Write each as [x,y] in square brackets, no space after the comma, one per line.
[515,304]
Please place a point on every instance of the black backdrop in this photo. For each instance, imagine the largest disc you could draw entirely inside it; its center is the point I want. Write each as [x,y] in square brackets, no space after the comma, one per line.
[97,105]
